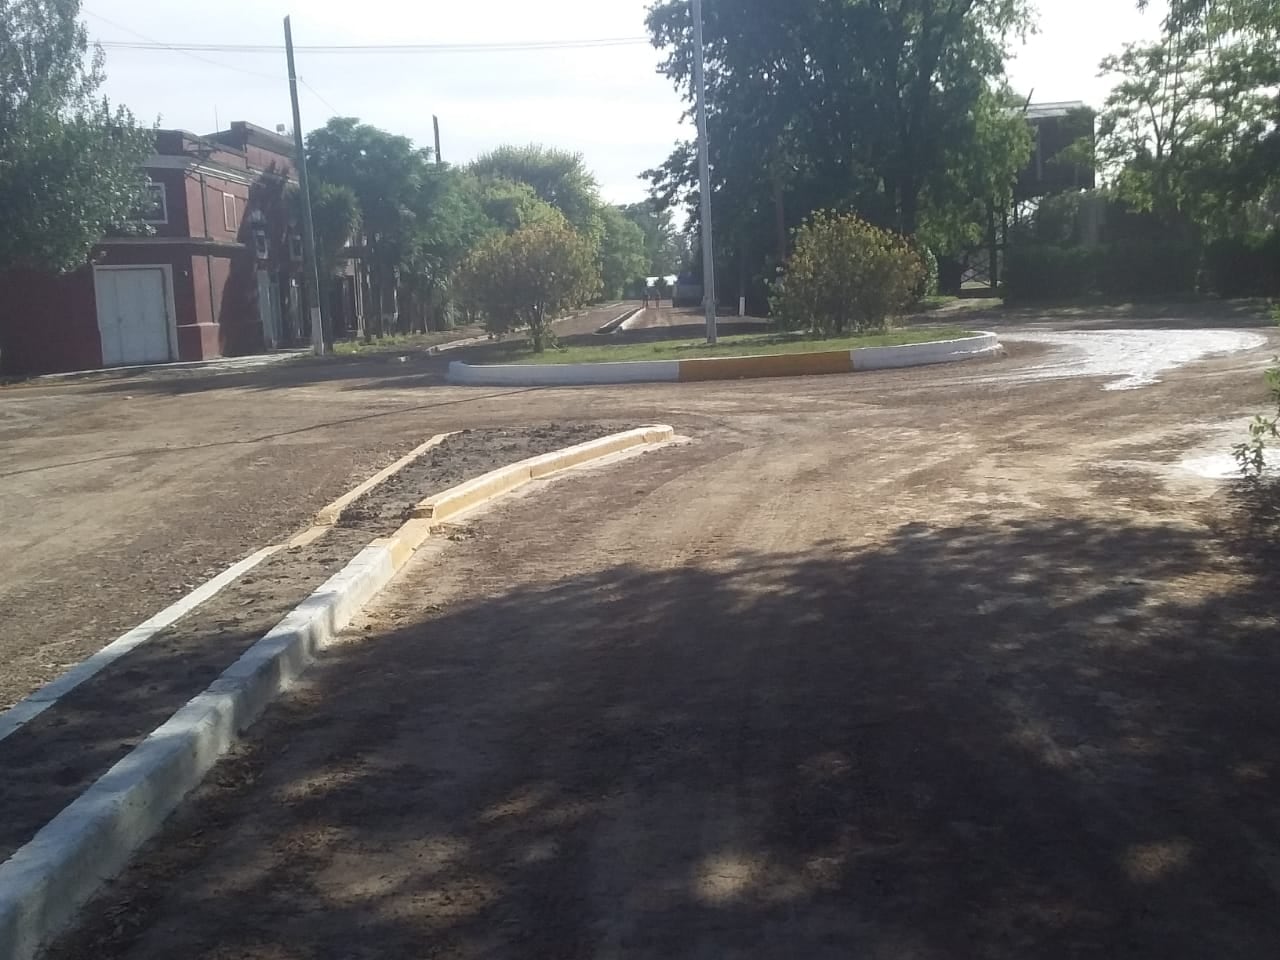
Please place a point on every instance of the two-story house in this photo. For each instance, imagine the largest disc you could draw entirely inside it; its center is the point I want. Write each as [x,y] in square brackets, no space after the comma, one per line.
[216,274]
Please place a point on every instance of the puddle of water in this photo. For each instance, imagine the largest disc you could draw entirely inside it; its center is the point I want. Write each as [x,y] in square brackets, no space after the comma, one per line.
[1221,466]
[1135,358]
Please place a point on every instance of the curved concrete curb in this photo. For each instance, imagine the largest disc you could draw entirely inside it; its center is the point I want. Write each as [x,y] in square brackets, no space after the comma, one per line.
[925,354]
[726,368]
[619,322]
[45,883]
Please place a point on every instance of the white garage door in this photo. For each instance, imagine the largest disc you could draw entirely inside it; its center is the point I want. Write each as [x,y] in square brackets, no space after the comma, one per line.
[133,315]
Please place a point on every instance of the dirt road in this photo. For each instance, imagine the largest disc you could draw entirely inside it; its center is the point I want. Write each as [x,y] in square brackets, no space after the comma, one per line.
[119,496]
[909,666]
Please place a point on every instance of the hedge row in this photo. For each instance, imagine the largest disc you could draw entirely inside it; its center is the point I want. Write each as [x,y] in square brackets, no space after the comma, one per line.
[1233,267]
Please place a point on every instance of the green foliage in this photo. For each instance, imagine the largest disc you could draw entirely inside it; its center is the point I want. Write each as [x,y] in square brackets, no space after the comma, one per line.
[1190,130]
[1148,267]
[556,176]
[1247,265]
[70,164]
[1127,269]
[979,168]
[891,108]
[336,214]
[507,204]
[1049,272]
[928,286]
[623,260]
[846,276]
[1251,455]
[447,222]
[665,250]
[523,279]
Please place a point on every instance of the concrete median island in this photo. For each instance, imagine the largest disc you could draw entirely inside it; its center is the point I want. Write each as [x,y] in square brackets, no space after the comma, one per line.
[743,357]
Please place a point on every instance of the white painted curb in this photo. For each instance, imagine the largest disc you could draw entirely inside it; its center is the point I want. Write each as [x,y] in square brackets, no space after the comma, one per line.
[670,371]
[45,883]
[30,707]
[27,709]
[925,354]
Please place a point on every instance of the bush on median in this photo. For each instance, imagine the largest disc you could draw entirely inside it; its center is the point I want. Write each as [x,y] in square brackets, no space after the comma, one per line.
[845,276]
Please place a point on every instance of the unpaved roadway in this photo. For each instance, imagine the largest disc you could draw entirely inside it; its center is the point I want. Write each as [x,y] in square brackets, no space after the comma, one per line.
[118,496]
[951,663]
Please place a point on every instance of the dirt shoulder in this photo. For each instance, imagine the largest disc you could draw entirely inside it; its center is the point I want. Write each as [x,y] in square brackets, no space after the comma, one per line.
[906,667]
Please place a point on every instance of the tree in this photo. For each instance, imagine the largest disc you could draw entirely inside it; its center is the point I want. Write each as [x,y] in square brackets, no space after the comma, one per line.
[846,276]
[508,204]
[336,214]
[1190,131]
[522,279]
[70,163]
[556,176]
[663,247]
[447,222]
[623,261]
[386,173]
[877,106]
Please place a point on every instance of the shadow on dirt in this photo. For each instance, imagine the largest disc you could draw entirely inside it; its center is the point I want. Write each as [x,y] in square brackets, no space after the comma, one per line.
[1053,739]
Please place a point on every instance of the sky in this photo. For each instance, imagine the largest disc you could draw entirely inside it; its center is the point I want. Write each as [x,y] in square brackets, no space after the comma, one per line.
[609,103]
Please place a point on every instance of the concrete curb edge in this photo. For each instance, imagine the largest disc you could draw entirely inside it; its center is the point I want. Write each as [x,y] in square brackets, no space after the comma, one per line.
[725,368]
[46,882]
[28,708]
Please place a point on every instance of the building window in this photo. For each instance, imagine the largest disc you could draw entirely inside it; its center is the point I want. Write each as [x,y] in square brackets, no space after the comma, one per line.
[155,204]
[229,212]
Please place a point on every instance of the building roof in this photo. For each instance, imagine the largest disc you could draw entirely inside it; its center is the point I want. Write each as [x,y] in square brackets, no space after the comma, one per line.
[243,133]
[1062,108]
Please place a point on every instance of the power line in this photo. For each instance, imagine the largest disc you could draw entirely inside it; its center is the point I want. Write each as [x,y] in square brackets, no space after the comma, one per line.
[151,44]
[386,48]
[318,96]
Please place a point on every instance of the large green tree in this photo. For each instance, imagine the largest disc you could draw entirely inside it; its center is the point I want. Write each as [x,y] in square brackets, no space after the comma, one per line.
[523,279]
[663,246]
[556,176]
[70,163]
[386,173]
[1191,130]
[880,106]
[623,261]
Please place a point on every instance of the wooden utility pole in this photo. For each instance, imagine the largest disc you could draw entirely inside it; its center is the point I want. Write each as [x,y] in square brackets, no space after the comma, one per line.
[435,122]
[704,171]
[311,270]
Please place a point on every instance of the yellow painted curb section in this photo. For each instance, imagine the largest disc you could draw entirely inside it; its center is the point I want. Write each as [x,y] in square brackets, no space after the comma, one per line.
[770,365]
[482,489]
[331,514]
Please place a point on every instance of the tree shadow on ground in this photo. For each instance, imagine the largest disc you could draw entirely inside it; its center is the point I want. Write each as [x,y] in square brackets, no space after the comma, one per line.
[1054,738]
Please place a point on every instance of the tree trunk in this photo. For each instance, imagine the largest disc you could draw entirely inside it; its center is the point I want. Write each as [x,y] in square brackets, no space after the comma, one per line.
[537,329]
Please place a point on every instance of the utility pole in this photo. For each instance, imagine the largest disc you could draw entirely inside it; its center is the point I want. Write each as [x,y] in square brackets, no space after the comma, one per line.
[310,269]
[435,122]
[704,172]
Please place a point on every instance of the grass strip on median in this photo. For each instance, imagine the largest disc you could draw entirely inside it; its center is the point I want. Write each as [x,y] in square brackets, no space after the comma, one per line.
[740,345]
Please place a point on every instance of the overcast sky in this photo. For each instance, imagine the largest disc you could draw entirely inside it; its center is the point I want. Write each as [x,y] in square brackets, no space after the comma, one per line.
[609,103]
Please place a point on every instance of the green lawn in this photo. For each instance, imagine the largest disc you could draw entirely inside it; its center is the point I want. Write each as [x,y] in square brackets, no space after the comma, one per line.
[742,345]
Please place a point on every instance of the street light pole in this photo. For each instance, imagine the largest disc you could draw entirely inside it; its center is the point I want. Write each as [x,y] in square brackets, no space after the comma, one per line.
[311,271]
[704,172]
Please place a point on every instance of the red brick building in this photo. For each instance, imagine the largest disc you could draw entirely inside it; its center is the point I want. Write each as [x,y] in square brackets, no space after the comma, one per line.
[218,273]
